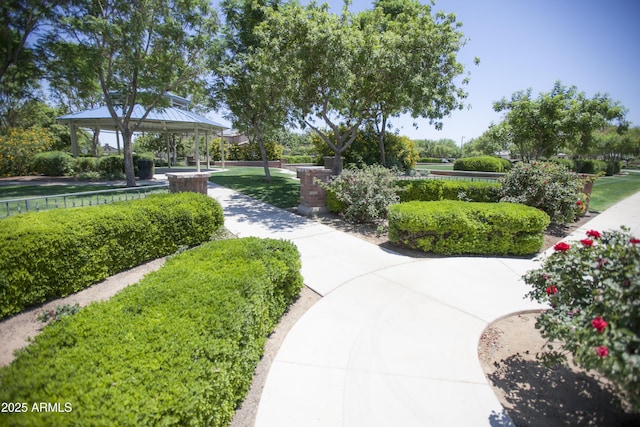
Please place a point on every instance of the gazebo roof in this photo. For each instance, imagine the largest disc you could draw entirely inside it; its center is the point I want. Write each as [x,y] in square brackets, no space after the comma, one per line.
[161,119]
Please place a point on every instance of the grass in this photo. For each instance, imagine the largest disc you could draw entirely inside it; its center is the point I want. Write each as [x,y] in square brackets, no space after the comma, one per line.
[21,191]
[608,190]
[283,191]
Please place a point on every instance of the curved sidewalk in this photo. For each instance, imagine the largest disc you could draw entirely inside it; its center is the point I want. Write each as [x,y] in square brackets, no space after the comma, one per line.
[394,339]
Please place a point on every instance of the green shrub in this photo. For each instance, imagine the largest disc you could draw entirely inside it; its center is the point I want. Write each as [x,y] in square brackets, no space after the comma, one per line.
[592,287]
[53,163]
[298,159]
[49,254]
[548,186]
[569,164]
[178,348]
[613,167]
[111,166]
[435,189]
[362,195]
[590,166]
[430,160]
[86,165]
[455,227]
[482,164]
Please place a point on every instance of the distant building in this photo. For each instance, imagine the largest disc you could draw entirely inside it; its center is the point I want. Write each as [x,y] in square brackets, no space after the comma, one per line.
[234,136]
[107,149]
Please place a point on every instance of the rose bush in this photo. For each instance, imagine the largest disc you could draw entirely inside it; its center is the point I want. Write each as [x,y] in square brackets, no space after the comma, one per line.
[593,288]
[548,186]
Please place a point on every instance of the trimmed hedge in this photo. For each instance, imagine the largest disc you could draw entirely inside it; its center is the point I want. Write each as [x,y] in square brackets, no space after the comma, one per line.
[454,227]
[291,160]
[179,348]
[482,164]
[53,163]
[434,190]
[50,254]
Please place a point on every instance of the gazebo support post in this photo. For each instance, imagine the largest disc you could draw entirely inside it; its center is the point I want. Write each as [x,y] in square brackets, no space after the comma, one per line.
[73,129]
[166,138]
[221,150]
[206,141]
[197,151]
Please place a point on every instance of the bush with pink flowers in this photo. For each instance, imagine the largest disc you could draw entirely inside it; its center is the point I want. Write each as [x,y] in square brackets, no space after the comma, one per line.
[593,288]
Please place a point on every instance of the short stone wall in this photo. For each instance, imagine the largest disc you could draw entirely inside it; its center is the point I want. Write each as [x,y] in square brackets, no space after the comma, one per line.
[313,198]
[196,182]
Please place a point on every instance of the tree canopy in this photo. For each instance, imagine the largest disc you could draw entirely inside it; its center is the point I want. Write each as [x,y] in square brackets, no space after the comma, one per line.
[560,119]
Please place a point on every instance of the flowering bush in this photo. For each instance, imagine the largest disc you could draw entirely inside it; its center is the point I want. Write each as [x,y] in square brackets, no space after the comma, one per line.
[548,186]
[19,146]
[363,195]
[593,287]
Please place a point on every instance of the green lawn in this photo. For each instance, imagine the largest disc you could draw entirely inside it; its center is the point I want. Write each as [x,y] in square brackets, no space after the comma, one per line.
[21,191]
[283,192]
[608,190]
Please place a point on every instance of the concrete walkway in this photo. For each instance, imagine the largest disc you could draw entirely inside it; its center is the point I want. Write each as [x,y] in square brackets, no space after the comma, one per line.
[393,341]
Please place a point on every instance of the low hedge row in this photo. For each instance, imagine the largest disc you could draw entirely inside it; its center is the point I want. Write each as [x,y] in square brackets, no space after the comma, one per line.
[455,227]
[49,254]
[482,164]
[179,348]
[434,189]
[292,160]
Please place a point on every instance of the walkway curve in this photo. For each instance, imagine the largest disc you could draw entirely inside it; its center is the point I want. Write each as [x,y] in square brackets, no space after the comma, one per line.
[394,339]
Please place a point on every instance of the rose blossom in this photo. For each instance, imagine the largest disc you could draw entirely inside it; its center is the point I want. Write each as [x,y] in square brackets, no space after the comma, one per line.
[602,351]
[635,240]
[594,233]
[551,290]
[587,242]
[562,246]
[599,323]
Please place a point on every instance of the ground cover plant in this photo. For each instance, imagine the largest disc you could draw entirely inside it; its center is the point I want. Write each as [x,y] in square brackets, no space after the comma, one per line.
[456,227]
[283,191]
[178,348]
[45,255]
[593,288]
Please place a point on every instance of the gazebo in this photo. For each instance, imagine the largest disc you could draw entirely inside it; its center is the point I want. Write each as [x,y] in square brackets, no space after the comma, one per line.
[173,119]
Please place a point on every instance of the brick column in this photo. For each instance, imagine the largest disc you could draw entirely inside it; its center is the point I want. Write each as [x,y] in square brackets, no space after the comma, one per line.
[195,182]
[313,198]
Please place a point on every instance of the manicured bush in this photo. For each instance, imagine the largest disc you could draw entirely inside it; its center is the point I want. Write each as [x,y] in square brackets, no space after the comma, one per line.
[178,348]
[292,160]
[435,189]
[482,164]
[49,254]
[86,164]
[430,160]
[362,195]
[455,227]
[613,167]
[593,289]
[589,166]
[53,163]
[548,186]
[111,166]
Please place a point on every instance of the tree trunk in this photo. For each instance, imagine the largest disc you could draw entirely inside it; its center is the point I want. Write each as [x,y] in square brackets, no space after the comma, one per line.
[95,142]
[263,154]
[337,163]
[381,133]
[128,159]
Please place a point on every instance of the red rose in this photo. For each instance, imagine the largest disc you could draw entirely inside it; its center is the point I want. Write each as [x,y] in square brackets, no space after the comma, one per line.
[634,240]
[599,323]
[602,351]
[551,290]
[587,242]
[579,203]
[561,247]
[594,233]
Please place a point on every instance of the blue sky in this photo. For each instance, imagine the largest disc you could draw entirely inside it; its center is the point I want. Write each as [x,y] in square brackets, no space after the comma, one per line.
[531,44]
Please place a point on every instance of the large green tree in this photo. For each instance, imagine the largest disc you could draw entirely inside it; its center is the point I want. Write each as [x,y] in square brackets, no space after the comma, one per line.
[251,94]
[560,119]
[140,50]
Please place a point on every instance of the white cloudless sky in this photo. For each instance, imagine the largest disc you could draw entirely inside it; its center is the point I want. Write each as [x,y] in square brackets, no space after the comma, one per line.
[593,45]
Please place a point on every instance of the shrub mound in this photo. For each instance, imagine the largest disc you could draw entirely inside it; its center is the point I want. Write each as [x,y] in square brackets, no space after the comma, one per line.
[434,189]
[53,163]
[50,254]
[482,164]
[593,289]
[178,348]
[455,227]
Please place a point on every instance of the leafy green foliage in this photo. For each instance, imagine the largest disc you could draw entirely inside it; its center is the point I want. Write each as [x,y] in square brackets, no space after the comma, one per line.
[456,227]
[178,348]
[19,146]
[53,163]
[435,189]
[482,164]
[53,253]
[593,287]
[548,186]
[363,195]
[298,159]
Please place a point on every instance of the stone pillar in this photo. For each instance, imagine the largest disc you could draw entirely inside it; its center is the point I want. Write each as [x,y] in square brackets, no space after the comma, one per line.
[195,182]
[313,198]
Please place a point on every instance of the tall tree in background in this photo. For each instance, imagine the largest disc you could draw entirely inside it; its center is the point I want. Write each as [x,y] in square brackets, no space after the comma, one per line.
[415,59]
[252,95]
[561,119]
[140,50]
[20,63]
